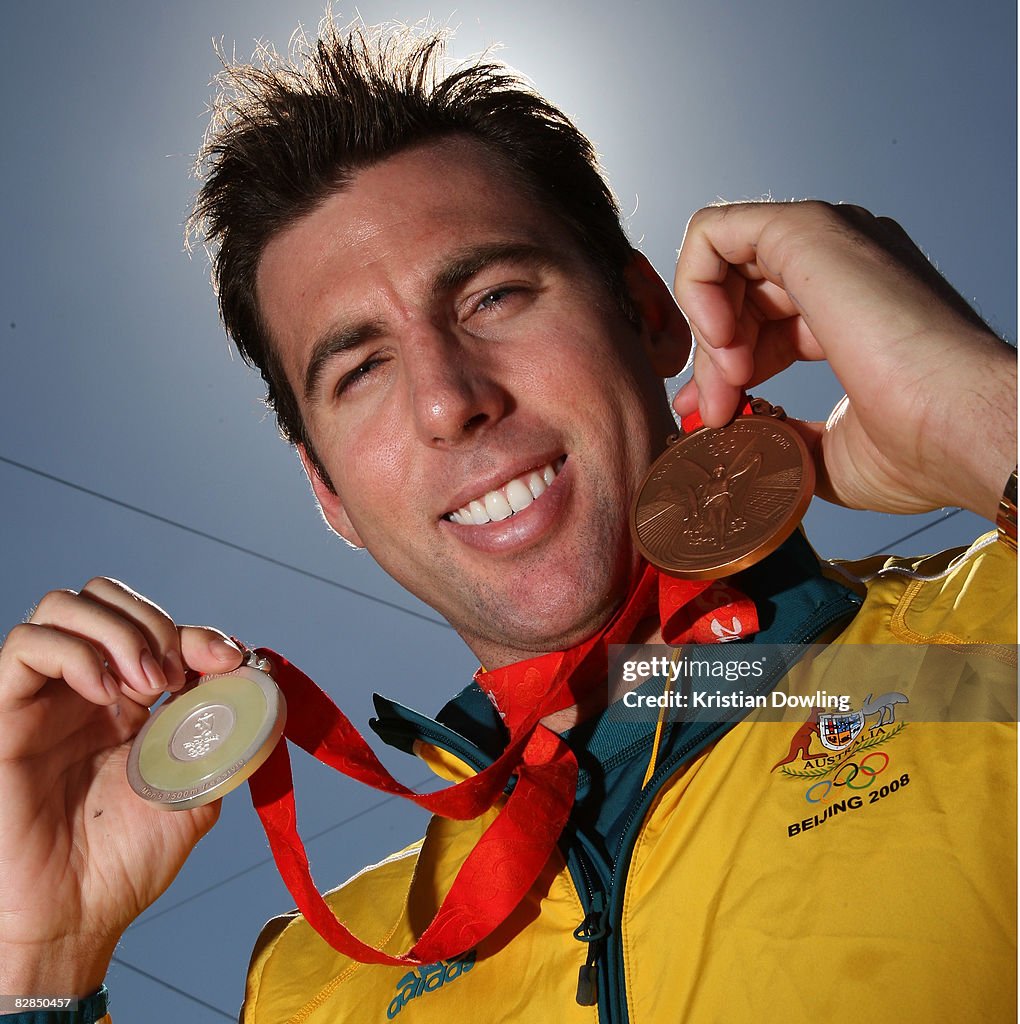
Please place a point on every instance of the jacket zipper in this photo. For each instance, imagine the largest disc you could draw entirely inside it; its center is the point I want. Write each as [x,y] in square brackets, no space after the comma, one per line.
[591,930]
[589,875]
[616,1003]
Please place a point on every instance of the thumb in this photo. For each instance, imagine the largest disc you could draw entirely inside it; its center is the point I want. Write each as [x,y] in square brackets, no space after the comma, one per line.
[208,650]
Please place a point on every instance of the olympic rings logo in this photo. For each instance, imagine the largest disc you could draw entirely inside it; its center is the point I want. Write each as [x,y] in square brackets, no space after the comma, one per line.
[848,775]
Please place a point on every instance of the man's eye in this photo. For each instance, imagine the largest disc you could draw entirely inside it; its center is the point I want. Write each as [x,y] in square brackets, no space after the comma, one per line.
[496,298]
[357,375]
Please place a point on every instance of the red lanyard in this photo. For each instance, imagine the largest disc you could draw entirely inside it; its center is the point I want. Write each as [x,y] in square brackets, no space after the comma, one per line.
[499,871]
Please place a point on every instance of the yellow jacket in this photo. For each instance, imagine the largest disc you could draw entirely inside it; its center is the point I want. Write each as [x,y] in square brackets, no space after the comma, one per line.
[749,874]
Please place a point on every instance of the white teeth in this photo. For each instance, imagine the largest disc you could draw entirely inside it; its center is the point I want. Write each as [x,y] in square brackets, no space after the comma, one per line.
[497,506]
[518,495]
[514,496]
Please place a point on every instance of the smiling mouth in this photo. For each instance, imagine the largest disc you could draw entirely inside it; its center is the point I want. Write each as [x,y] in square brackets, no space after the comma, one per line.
[512,497]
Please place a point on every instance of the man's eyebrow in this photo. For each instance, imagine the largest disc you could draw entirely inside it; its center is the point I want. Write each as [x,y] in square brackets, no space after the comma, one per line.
[337,339]
[462,266]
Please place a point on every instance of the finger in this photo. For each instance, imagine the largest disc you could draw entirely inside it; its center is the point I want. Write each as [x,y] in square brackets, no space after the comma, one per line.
[780,344]
[754,239]
[158,628]
[698,287]
[34,654]
[685,401]
[124,647]
[709,391]
[735,363]
[755,304]
[703,269]
[718,398]
[208,651]
[769,301]
[720,376]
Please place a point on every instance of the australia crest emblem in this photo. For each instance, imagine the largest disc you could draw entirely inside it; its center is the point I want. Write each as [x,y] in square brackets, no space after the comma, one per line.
[836,731]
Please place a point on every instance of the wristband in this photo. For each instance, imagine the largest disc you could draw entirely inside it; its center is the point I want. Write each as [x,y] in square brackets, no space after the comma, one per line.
[1005,521]
[88,1011]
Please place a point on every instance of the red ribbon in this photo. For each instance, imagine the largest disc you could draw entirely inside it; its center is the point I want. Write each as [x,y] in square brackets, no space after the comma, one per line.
[499,871]
[502,867]
[693,421]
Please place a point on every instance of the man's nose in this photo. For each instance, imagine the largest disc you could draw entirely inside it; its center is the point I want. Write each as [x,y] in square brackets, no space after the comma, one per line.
[453,386]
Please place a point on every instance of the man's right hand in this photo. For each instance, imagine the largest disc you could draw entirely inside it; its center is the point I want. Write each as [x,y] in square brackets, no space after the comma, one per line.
[81,855]
[929,417]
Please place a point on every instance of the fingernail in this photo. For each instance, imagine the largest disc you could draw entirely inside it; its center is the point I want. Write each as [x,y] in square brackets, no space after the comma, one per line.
[110,685]
[153,673]
[173,669]
[223,650]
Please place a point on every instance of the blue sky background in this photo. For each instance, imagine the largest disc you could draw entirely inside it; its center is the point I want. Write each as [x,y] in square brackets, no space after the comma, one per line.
[117,379]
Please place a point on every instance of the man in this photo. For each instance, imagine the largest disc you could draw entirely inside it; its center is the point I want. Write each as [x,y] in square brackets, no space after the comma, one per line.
[433,281]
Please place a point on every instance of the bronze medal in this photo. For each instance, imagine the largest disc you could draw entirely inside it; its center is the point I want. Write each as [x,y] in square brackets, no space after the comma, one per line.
[719,500]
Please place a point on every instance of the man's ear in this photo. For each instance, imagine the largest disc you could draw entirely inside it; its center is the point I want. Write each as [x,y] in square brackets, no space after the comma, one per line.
[330,505]
[665,333]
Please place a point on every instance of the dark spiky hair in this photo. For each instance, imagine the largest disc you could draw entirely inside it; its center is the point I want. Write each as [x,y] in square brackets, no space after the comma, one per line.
[285,134]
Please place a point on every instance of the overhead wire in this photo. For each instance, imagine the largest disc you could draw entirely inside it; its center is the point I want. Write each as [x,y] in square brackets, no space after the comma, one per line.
[885,548]
[148,514]
[120,962]
[308,574]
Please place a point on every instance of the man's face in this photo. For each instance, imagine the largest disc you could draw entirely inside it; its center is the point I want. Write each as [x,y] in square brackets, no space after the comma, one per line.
[453,355]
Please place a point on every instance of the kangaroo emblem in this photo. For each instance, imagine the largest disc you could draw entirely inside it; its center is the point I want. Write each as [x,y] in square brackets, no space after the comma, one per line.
[882,705]
[801,742]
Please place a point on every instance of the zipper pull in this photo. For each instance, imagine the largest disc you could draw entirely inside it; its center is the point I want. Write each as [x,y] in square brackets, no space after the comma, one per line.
[587,985]
[593,931]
